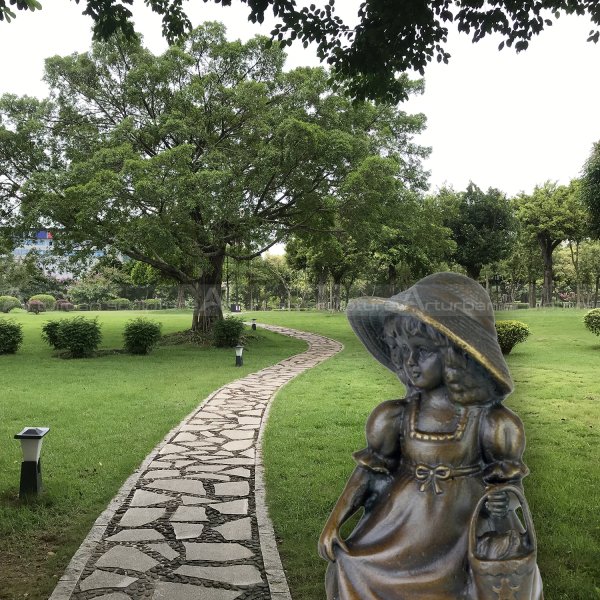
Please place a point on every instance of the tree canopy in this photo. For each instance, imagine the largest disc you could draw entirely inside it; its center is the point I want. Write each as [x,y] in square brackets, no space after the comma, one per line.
[482,224]
[590,188]
[207,151]
[392,37]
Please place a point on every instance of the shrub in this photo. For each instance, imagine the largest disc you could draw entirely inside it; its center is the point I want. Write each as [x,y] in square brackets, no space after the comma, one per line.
[36,306]
[48,300]
[152,303]
[227,332]
[511,333]
[120,303]
[50,334]
[141,335]
[64,305]
[522,305]
[80,336]
[11,336]
[591,319]
[7,303]
[82,306]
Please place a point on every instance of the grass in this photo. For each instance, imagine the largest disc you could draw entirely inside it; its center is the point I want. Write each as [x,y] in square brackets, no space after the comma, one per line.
[318,420]
[105,415]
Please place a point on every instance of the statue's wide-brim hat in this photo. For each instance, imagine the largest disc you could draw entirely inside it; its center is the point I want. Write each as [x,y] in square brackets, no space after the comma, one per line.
[455,305]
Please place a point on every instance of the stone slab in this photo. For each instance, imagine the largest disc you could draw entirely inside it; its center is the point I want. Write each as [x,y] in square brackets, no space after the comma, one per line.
[136,517]
[238,434]
[239,529]
[237,445]
[186,486]
[238,472]
[233,488]
[146,498]
[190,514]
[126,557]
[105,579]
[160,473]
[187,531]
[216,552]
[164,550]
[234,507]
[136,535]
[231,574]
[186,591]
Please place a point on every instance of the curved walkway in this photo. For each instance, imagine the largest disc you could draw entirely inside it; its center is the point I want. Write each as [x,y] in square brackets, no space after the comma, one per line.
[191,522]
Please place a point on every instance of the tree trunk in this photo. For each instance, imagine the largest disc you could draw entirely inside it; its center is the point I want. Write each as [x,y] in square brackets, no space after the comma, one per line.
[596,291]
[180,296]
[474,272]
[321,291]
[392,279]
[547,246]
[532,294]
[207,296]
[337,296]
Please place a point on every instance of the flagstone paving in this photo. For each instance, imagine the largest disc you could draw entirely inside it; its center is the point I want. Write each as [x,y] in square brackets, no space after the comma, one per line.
[191,523]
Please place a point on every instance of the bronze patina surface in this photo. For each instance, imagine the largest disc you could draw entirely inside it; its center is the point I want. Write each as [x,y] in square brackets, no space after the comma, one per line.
[440,478]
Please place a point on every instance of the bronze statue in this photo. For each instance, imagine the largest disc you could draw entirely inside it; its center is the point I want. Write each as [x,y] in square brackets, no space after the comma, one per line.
[440,479]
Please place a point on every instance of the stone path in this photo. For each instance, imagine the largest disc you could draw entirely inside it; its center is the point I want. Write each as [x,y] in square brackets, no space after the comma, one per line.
[191,523]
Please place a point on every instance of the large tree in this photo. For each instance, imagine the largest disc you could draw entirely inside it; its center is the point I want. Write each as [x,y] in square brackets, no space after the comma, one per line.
[551,215]
[391,37]
[482,223]
[179,160]
[590,188]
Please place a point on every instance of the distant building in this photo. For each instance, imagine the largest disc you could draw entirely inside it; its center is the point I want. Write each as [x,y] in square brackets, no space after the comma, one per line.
[43,244]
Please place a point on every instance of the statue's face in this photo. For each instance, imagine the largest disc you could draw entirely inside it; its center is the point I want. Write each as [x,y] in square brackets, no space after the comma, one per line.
[422,362]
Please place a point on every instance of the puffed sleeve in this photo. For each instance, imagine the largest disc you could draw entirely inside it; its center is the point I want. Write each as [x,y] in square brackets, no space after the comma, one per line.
[383,437]
[503,443]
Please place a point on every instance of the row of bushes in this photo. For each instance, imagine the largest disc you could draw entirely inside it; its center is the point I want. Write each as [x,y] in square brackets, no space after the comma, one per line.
[80,337]
[45,302]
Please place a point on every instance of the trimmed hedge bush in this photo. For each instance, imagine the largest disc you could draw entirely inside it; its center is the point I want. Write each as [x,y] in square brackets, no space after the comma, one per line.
[227,332]
[64,305]
[80,336]
[50,334]
[152,303]
[141,335]
[591,319]
[11,336]
[511,333]
[36,306]
[120,303]
[7,303]
[48,300]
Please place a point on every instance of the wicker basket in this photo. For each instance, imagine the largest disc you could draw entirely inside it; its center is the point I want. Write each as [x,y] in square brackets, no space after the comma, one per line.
[511,578]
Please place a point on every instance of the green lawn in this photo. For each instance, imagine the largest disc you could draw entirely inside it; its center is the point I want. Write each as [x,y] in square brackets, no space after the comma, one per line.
[105,414]
[318,420]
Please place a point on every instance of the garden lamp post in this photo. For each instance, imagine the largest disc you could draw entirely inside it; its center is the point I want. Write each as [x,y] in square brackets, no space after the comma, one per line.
[31,470]
[239,350]
[254,324]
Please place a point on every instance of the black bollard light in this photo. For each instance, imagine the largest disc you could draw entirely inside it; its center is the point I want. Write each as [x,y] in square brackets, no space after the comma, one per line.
[239,361]
[254,324]
[31,470]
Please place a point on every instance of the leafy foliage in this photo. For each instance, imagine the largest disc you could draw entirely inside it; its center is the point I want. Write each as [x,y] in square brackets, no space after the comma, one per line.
[7,303]
[11,336]
[390,37]
[207,151]
[590,188]
[482,223]
[141,335]
[36,306]
[47,300]
[227,332]
[511,333]
[50,334]
[79,336]
[591,320]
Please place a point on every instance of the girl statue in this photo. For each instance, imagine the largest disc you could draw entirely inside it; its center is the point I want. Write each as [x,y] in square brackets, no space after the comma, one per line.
[440,479]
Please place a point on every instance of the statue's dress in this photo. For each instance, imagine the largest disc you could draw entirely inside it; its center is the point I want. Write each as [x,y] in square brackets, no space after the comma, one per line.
[411,543]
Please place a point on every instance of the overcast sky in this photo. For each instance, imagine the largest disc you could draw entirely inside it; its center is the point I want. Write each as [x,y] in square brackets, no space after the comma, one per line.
[497,118]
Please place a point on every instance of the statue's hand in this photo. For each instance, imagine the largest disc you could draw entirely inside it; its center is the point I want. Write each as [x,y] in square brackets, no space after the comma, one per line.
[498,504]
[329,537]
